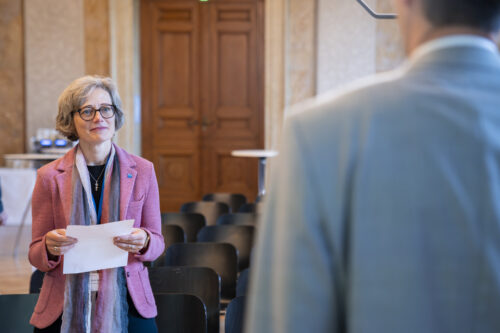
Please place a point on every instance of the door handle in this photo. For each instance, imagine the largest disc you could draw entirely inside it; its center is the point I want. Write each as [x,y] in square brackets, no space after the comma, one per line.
[192,122]
[205,123]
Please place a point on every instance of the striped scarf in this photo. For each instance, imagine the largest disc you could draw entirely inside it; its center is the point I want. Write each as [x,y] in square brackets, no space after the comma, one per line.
[83,311]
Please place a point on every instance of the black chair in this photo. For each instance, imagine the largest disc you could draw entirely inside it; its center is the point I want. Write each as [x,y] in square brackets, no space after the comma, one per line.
[210,209]
[16,311]
[171,234]
[191,223]
[36,281]
[233,200]
[251,208]
[180,313]
[235,315]
[238,219]
[202,282]
[240,236]
[242,283]
[221,257]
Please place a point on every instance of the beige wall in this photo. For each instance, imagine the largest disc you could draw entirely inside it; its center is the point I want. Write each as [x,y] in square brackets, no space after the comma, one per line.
[352,44]
[346,43]
[317,45]
[54,56]
[124,23]
[11,77]
[67,39]
[390,51]
[311,46]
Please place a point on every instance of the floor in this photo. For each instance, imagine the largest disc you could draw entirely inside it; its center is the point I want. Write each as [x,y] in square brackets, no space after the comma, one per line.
[15,273]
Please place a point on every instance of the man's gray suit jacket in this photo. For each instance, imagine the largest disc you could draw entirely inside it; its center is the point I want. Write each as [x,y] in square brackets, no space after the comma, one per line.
[384,209]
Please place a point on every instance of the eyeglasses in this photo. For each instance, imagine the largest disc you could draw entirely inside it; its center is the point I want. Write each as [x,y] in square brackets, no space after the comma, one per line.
[87,113]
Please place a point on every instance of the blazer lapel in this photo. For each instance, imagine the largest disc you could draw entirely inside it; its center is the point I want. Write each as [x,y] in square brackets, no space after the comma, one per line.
[128,174]
[64,183]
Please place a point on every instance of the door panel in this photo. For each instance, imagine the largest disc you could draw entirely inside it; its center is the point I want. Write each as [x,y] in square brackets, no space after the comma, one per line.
[235,107]
[202,95]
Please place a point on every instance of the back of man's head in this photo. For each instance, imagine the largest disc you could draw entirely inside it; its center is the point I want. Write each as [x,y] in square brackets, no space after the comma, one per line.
[479,14]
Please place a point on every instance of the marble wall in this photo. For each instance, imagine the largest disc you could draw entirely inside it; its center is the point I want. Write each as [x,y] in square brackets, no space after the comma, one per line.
[317,45]
[389,46]
[346,43]
[300,51]
[97,37]
[352,44]
[274,49]
[311,46]
[11,77]
[54,56]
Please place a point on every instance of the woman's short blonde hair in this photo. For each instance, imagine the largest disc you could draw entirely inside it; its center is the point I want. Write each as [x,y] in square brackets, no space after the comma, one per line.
[73,97]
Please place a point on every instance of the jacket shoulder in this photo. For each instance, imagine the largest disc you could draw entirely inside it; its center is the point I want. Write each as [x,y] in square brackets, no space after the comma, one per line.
[140,162]
[50,169]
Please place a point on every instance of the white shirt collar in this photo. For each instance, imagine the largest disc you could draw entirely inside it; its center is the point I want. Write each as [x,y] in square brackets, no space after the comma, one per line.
[453,41]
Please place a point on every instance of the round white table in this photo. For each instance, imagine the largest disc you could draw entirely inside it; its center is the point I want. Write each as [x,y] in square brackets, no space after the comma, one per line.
[262,155]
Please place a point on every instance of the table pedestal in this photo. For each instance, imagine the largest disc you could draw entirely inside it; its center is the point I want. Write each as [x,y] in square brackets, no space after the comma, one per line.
[262,155]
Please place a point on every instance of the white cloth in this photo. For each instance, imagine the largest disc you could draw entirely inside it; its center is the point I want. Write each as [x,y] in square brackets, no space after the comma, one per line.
[17,187]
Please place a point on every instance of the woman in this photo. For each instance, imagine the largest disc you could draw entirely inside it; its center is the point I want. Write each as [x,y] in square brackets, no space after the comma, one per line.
[95,182]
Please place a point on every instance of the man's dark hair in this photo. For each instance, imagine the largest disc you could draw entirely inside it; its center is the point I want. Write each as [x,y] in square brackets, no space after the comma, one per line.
[479,14]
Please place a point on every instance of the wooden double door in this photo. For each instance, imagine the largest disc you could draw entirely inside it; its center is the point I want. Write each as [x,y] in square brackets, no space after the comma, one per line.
[202,77]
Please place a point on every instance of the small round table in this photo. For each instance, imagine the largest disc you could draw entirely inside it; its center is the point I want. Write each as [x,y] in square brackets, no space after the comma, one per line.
[262,155]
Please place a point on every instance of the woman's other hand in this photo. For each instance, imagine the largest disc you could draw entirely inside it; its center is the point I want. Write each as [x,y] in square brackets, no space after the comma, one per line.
[134,242]
[57,243]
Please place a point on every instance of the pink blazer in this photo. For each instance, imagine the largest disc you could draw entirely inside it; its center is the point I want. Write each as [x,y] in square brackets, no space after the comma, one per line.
[51,206]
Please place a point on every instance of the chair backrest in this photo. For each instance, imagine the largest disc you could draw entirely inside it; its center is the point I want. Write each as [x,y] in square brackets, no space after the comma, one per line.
[238,219]
[252,208]
[210,209]
[203,282]
[16,311]
[172,234]
[191,223]
[240,236]
[36,281]
[242,283]
[233,200]
[235,314]
[180,313]
[221,257]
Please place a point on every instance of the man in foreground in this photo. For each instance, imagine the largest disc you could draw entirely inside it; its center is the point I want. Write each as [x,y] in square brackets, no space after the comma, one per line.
[384,212]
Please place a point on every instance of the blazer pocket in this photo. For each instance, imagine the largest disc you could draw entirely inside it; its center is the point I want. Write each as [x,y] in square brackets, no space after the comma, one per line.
[45,294]
[136,203]
[146,286]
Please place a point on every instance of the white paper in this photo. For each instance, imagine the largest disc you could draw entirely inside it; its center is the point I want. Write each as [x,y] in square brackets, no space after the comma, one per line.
[95,249]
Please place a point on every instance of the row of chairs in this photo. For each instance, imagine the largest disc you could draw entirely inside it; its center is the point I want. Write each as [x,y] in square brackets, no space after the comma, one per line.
[178,313]
[216,241]
[213,209]
[214,205]
[239,236]
[191,223]
[236,202]
[202,282]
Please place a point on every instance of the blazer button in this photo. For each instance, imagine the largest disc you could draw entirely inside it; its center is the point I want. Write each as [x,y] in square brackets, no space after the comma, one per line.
[128,274]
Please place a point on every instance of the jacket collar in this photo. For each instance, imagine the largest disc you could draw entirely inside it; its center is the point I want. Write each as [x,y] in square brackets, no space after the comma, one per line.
[128,174]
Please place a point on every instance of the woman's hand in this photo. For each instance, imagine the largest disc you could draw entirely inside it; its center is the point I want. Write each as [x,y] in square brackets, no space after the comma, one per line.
[57,243]
[134,242]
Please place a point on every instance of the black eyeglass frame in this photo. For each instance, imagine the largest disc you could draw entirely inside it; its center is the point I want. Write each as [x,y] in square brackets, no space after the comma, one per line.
[94,111]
